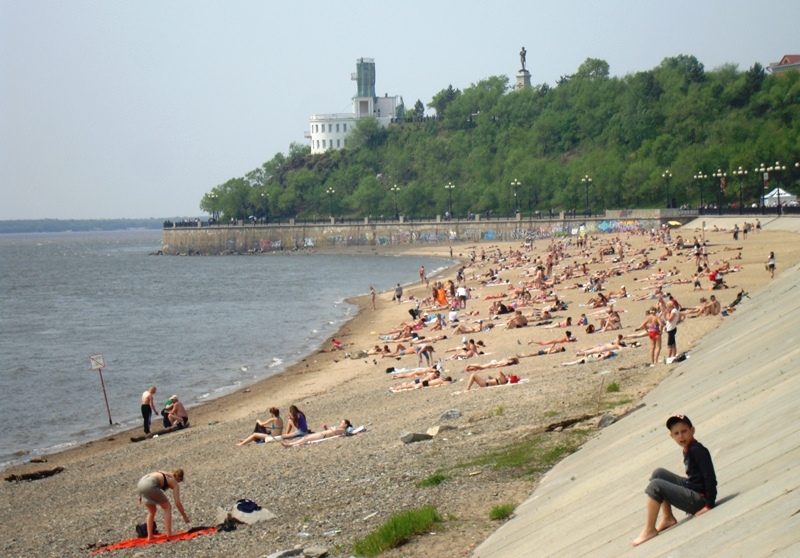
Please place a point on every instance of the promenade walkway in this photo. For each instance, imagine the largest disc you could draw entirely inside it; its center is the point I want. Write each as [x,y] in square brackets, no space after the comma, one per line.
[741,388]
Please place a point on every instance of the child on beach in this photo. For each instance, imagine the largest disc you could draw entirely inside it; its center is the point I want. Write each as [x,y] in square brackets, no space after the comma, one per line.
[695,495]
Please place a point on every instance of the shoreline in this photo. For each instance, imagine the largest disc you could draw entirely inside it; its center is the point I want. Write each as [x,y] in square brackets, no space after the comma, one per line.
[198,412]
[355,484]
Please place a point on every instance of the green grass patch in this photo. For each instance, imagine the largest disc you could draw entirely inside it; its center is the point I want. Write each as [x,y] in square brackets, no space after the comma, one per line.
[499,411]
[501,512]
[396,531]
[550,414]
[533,455]
[434,480]
[613,387]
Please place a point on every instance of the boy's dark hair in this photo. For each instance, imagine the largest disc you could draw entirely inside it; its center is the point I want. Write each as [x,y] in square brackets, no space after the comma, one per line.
[675,419]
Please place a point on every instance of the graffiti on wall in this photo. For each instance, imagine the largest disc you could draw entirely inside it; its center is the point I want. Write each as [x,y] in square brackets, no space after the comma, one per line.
[619,225]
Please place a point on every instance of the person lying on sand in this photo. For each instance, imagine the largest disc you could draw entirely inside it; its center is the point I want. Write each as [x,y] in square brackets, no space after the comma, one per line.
[618,343]
[567,338]
[416,384]
[494,364]
[468,351]
[565,323]
[597,356]
[477,328]
[340,430]
[500,380]
[402,350]
[416,373]
[548,351]
[376,350]
[271,427]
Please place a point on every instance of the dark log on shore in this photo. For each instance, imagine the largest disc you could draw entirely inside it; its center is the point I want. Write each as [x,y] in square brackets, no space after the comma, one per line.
[36,475]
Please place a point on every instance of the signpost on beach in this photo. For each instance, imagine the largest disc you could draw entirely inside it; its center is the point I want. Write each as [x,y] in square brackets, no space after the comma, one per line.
[97,363]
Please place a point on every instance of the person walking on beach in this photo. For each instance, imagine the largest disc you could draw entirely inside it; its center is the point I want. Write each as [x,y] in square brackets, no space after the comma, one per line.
[422,273]
[771,265]
[151,493]
[398,293]
[372,296]
[148,407]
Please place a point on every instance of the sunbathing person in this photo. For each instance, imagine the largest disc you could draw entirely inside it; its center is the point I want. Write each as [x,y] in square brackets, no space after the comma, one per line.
[433,339]
[611,323]
[269,428]
[500,380]
[340,430]
[416,384]
[567,338]
[468,351]
[477,328]
[549,351]
[621,293]
[494,364]
[618,343]
[517,321]
[597,356]
[416,373]
[402,350]
[376,350]
[565,323]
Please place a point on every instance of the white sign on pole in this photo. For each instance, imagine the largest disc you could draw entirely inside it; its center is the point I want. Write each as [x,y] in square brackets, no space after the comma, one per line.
[97,362]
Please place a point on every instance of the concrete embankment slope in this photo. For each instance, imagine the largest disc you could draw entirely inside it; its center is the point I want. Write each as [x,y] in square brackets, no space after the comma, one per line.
[741,388]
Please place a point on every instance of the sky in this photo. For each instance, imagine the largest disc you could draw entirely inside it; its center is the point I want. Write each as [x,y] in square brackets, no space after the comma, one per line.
[136,109]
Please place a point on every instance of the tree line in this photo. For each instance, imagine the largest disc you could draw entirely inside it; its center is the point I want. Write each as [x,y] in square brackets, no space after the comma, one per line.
[655,138]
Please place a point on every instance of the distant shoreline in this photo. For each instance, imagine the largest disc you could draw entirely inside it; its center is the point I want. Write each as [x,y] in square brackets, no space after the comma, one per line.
[80,225]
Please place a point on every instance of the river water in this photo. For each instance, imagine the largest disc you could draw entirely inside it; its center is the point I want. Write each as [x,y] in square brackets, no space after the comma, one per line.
[199,326]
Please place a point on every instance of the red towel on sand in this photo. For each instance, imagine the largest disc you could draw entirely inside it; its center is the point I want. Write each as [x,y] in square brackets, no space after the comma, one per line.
[157,539]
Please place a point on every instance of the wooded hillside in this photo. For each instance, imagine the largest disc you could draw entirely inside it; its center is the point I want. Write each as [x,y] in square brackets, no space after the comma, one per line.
[627,134]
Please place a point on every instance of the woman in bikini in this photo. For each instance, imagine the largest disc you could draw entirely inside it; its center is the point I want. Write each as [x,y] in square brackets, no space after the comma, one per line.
[500,380]
[340,430]
[273,427]
[151,493]
[653,327]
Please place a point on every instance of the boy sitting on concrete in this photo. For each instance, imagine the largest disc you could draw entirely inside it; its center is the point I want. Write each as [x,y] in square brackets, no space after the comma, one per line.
[694,495]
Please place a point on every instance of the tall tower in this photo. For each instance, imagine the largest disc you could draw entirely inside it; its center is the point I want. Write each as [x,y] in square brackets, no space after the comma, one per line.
[364,101]
[365,77]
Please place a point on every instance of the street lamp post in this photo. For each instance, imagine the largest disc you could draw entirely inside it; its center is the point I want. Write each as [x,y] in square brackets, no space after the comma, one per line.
[449,187]
[775,168]
[741,174]
[265,205]
[516,184]
[214,198]
[331,192]
[587,182]
[700,177]
[394,189]
[720,188]
[765,183]
[666,175]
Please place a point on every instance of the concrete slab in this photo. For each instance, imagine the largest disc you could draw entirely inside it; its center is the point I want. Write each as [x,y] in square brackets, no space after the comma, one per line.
[741,388]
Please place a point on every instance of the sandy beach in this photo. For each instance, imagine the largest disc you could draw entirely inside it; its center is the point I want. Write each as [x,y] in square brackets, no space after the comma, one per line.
[354,484]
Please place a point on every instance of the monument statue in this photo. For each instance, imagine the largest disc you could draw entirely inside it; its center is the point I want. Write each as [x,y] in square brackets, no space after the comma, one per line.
[522,54]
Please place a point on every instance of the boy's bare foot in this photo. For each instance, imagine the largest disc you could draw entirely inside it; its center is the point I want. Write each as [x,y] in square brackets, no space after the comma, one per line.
[666,523]
[644,536]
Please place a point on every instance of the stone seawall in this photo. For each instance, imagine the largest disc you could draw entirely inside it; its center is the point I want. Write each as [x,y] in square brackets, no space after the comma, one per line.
[243,238]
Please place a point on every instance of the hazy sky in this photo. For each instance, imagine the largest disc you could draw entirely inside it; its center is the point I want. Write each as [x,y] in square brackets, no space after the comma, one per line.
[135,109]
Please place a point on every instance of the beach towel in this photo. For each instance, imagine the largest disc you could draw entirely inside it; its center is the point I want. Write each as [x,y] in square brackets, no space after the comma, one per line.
[509,384]
[157,539]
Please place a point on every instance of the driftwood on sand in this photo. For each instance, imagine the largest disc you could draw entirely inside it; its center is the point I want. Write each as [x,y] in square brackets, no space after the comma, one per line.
[36,475]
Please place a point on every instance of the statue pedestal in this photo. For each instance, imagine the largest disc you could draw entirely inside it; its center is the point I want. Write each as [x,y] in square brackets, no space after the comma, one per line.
[523,79]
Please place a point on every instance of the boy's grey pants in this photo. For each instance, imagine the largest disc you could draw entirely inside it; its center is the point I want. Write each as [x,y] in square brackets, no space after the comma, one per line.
[665,485]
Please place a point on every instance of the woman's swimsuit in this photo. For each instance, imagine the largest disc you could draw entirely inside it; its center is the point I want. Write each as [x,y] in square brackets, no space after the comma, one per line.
[653,330]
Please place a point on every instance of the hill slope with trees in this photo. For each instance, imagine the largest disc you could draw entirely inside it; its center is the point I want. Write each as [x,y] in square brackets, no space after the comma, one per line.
[627,134]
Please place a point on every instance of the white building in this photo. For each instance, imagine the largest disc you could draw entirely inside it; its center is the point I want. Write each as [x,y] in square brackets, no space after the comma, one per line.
[329,131]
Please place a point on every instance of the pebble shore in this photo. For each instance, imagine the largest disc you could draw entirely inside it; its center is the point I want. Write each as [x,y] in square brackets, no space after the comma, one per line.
[331,493]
